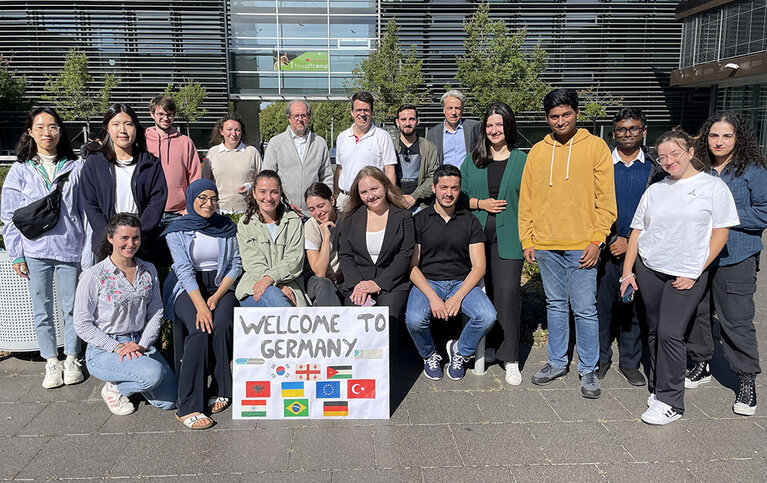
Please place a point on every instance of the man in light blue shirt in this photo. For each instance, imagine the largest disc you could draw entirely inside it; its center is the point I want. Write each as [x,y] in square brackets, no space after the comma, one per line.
[454,137]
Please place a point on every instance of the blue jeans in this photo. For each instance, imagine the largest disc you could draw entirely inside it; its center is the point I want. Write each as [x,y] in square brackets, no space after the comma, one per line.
[563,281]
[149,374]
[272,297]
[41,289]
[475,305]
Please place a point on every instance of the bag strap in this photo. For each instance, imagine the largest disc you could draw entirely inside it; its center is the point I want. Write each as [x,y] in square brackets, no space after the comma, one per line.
[61,180]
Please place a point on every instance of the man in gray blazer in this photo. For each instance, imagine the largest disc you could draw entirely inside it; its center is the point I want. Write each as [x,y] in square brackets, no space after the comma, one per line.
[454,137]
[298,155]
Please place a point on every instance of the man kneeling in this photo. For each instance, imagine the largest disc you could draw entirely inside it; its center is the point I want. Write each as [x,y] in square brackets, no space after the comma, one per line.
[447,264]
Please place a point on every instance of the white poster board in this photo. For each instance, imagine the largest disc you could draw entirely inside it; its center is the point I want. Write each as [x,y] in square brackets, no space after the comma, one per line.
[311,363]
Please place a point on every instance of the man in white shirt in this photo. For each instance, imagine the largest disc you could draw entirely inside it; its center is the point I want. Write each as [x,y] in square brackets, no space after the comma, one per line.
[299,156]
[362,145]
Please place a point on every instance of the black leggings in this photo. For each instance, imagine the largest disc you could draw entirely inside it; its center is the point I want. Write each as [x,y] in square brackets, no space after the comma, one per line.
[668,313]
[197,362]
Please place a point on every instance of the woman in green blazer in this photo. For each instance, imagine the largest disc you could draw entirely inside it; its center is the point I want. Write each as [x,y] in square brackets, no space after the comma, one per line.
[491,177]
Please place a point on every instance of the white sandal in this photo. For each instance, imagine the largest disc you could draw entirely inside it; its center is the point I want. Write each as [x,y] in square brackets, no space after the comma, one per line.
[189,422]
[218,400]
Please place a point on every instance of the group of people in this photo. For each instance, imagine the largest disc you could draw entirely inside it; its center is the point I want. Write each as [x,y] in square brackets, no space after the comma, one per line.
[648,244]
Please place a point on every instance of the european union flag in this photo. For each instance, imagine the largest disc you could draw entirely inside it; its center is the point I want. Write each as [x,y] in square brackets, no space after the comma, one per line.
[328,390]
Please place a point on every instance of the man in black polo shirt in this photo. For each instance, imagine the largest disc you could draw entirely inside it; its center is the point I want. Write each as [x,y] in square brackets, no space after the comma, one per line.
[447,264]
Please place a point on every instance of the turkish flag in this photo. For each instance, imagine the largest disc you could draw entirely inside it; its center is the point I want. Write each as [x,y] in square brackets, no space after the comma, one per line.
[361,389]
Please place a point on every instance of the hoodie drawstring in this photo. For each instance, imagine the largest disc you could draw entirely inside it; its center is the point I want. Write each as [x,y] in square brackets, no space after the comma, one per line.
[551,168]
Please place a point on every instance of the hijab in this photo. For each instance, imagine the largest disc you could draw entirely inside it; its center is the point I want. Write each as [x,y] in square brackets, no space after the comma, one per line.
[218,225]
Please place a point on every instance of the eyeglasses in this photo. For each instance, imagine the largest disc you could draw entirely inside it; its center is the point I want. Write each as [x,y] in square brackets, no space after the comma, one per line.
[673,156]
[166,115]
[204,199]
[633,130]
[299,116]
[42,129]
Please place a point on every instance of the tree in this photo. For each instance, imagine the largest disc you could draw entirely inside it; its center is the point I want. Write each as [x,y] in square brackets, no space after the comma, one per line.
[496,68]
[188,98]
[330,118]
[272,120]
[13,87]
[594,105]
[73,92]
[393,77]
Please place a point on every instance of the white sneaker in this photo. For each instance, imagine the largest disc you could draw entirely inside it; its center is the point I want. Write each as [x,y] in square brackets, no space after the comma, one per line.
[651,399]
[513,376]
[53,376]
[660,413]
[118,404]
[72,372]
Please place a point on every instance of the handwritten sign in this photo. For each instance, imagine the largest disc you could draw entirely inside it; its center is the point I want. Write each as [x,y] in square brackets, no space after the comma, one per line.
[311,362]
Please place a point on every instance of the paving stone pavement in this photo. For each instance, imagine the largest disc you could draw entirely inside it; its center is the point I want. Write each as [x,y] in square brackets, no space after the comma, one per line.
[477,429]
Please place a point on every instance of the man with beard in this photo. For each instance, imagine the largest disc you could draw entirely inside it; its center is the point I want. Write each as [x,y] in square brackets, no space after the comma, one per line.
[448,262]
[417,159]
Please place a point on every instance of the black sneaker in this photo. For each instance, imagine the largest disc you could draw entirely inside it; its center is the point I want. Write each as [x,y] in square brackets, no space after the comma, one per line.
[699,374]
[745,403]
[547,374]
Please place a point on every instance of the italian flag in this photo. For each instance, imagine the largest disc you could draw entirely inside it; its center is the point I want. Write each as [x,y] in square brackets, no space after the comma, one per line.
[254,408]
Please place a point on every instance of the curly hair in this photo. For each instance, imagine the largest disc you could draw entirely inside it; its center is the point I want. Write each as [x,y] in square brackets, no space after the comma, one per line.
[217,138]
[253,208]
[746,151]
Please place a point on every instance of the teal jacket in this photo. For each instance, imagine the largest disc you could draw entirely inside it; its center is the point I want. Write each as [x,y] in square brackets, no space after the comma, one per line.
[474,185]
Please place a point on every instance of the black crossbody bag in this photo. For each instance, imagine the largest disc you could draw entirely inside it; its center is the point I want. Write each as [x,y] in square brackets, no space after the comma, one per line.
[42,215]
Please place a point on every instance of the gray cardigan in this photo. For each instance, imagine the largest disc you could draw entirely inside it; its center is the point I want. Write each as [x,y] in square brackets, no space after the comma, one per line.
[281,156]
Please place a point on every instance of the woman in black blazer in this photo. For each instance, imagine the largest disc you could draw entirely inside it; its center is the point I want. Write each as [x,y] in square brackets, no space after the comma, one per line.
[377,241]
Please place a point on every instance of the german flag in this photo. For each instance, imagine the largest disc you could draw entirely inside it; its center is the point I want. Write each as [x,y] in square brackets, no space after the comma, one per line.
[335,408]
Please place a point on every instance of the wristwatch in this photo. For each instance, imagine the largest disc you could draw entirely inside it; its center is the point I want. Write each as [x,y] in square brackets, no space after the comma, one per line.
[599,244]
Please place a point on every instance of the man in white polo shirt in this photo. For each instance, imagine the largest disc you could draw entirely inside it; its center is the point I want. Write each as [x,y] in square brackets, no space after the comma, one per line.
[361,145]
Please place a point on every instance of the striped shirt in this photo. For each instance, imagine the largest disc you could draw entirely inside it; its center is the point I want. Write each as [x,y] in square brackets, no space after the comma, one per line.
[106,304]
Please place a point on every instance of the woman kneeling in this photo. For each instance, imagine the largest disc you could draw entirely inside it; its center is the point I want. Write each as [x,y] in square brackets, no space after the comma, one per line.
[118,311]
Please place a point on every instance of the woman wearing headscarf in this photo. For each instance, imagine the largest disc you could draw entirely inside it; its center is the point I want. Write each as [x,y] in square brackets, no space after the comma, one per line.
[206,262]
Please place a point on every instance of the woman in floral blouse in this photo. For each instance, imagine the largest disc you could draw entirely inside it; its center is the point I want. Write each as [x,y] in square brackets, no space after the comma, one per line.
[117,312]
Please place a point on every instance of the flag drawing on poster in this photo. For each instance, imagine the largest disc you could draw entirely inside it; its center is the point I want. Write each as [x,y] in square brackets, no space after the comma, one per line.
[257,389]
[339,372]
[281,371]
[361,388]
[308,372]
[335,408]
[311,363]
[292,389]
[254,408]
[328,390]
[296,408]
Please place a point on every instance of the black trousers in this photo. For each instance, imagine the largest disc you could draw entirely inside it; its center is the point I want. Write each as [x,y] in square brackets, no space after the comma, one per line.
[731,292]
[396,301]
[612,312]
[323,292]
[205,354]
[503,280]
[668,313]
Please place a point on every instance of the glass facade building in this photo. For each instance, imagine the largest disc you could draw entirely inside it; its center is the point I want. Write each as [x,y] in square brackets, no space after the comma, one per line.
[282,49]
[724,49]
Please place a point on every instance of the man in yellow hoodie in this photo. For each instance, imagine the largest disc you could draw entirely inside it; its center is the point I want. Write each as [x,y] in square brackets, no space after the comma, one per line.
[566,208]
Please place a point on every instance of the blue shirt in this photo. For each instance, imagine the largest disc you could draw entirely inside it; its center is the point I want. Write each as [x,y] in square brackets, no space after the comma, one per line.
[453,145]
[750,193]
[630,184]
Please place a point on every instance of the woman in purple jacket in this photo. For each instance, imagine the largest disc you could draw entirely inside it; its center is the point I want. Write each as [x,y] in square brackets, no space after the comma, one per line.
[44,158]
[123,177]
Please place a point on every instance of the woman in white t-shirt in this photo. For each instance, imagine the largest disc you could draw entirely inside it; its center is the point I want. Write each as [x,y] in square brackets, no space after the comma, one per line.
[680,226]
[321,234]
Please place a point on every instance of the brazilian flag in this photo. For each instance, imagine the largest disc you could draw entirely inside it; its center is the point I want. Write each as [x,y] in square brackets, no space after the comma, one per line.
[296,408]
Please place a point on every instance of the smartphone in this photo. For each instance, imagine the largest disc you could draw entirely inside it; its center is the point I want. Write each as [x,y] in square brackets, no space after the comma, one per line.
[628,296]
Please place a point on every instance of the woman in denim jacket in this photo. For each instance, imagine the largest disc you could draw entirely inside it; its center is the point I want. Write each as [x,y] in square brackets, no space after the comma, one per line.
[206,263]
[43,156]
